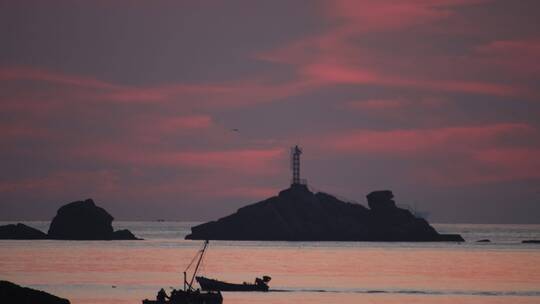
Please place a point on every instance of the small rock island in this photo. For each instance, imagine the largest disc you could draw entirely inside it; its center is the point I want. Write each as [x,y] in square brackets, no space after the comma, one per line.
[80,220]
[83,220]
[297,214]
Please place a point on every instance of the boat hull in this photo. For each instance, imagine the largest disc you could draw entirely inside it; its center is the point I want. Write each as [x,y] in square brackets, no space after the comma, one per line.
[190,297]
[215,285]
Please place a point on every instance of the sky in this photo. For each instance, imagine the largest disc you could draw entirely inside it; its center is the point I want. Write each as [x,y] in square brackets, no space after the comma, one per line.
[186,110]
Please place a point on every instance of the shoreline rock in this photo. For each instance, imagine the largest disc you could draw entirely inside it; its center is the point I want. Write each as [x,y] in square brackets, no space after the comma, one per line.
[298,214]
[123,235]
[13,293]
[21,232]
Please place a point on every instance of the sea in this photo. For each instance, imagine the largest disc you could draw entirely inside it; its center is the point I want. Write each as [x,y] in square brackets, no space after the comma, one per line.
[502,271]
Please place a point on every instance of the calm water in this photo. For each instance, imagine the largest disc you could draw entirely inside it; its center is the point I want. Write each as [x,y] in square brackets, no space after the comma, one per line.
[503,271]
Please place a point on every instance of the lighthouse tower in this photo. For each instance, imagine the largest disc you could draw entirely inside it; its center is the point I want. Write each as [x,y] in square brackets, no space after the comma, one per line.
[295,166]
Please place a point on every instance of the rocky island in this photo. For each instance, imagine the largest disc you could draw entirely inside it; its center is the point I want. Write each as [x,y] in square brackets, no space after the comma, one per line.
[80,220]
[83,220]
[297,214]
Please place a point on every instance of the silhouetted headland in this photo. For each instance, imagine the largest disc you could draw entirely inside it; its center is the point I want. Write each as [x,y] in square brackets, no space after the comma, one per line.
[80,220]
[13,293]
[297,214]
[531,242]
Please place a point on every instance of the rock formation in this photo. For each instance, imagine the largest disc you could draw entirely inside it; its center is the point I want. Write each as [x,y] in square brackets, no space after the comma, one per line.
[531,242]
[83,220]
[298,214]
[13,293]
[123,234]
[20,232]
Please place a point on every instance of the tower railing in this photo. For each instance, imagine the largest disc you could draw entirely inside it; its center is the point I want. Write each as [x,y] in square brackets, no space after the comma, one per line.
[295,165]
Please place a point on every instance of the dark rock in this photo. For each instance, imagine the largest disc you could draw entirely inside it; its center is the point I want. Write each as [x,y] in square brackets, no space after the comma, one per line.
[124,234]
[297,214]
[381,200]
[483,241]
[20,232]
[531,242]
[83,220]
[13,293]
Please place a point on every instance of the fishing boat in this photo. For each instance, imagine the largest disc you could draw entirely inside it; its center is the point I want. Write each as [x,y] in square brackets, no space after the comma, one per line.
[216,285]
[189,295]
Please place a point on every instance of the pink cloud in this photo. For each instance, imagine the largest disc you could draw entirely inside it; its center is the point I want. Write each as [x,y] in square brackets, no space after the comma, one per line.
[411,142]
[245,161]
[337,74]
[471,87]
[109,185]
[485,165]
[520,57]
[514,162]
[529,48]
[329,73]
[219,174]
[450,156]
[372,15]
[392,106]
[222,186]
[220,189]
[19,130]
[33,74]
[338,56]
[376,104]
[175,124]
[77,89]
[62,182]
[160,129]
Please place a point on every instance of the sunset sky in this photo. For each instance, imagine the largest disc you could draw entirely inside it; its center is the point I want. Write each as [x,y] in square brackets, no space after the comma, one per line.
[134,104]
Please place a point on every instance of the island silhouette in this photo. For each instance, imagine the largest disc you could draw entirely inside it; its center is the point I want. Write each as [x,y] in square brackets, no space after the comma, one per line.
[298,214]
[79,220]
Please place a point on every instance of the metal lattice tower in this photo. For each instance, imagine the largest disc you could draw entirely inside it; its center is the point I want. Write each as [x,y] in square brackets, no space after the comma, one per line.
[295,164]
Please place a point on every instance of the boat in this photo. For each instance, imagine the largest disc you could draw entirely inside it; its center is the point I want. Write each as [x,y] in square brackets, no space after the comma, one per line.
[188,295]
[216,285]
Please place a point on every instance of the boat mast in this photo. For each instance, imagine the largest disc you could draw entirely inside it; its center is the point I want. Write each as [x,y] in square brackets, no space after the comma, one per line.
[198,264]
